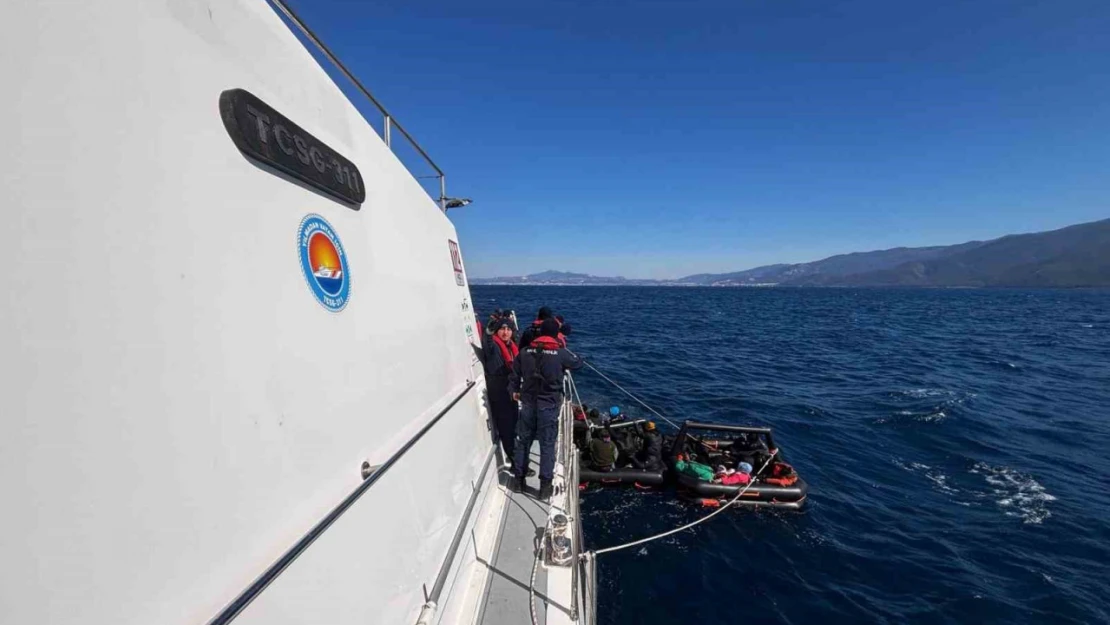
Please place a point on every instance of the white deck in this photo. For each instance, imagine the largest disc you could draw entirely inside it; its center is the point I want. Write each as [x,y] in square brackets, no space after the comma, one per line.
[507,597]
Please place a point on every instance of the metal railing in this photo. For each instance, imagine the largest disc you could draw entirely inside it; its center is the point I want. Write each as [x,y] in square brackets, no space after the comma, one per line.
[570,483]
[244,598]
[431,603]
[588,563]
[389,122]
[582,582]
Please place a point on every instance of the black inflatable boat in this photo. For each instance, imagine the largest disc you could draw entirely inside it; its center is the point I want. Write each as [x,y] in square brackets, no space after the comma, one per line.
[622,475]
[626,474]
[714,445]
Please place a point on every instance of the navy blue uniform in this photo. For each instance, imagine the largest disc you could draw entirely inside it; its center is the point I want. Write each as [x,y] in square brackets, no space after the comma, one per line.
[503,409]
[538,377]
[531,333]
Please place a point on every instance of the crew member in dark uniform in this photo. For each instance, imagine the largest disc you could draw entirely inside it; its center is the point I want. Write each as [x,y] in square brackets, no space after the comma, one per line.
[537,382]
[500,353]
[532,332]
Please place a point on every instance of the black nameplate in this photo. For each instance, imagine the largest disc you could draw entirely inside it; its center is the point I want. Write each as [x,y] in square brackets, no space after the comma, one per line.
[268,136]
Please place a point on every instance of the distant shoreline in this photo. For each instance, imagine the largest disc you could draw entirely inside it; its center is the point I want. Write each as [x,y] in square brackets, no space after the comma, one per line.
[1073,257]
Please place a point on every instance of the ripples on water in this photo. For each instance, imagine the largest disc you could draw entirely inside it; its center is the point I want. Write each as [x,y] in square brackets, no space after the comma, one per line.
[955,443]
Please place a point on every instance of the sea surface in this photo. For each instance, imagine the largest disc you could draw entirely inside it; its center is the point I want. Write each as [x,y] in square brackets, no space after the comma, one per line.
[956,444]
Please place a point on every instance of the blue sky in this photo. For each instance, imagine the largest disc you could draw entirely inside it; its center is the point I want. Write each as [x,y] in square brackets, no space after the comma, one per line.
[659,139]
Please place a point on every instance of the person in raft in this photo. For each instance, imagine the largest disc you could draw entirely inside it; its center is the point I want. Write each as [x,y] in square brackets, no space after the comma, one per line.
[532,332]
[629,442]
[603,452]
[537,383]
[683,464]
[650,455]
[731,477]
[500,354]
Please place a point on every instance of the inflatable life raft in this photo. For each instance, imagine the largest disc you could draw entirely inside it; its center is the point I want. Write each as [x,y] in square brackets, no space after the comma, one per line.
[712,444]
[624,475]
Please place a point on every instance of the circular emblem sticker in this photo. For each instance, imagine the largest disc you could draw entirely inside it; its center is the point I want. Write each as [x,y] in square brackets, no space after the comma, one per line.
[324,263]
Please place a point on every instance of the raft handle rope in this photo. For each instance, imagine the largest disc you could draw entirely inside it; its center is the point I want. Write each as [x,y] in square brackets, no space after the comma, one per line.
[642,403]
[629,393]
[693,523]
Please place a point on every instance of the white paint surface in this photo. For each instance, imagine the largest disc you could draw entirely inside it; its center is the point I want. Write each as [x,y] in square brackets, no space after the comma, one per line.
[178,409]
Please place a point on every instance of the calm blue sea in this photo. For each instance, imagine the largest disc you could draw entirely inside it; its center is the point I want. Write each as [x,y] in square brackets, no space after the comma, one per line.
[956,443]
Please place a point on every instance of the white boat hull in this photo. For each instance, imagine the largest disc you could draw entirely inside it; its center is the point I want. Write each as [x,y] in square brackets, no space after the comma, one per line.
[166,440]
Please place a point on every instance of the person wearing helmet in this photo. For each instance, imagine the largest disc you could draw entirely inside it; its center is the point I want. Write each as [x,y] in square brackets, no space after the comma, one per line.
[615,414]
[537,382]
[650,455]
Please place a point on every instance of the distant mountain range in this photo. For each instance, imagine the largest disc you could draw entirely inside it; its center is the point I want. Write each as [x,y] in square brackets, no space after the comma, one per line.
[1076,256]
[566,278]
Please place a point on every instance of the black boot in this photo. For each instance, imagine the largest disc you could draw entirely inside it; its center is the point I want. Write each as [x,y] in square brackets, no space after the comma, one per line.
[514,484]
[546,490]
[528,472]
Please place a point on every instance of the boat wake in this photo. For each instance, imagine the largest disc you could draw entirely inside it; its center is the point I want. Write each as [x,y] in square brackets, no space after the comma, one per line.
[936,477]
[1019,495]
[903,416]
[930,405]
[917,393]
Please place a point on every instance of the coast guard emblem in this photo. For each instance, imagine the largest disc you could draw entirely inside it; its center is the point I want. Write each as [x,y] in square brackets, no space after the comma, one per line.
[324,263]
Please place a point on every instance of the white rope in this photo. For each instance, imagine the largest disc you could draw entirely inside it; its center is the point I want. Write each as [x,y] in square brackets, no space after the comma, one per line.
[653,410]
[532,579]
[692,524]
[629,393]
[574,391]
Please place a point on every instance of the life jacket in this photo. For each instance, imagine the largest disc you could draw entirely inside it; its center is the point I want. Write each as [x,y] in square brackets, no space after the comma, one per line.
[782,474]
[562,339]
[509,352]
[540,343]
[545,342]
